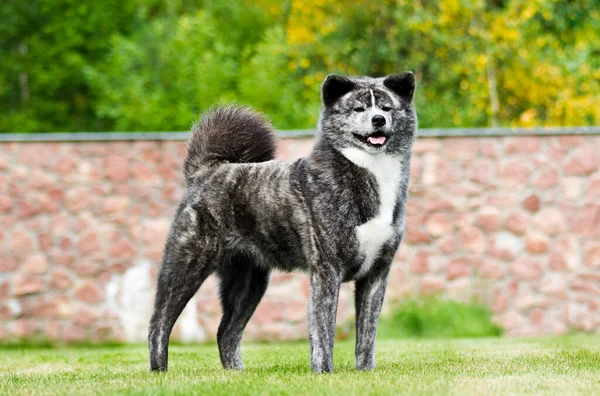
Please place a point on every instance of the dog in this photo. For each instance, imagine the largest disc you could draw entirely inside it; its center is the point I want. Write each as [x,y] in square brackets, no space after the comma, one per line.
[337,214]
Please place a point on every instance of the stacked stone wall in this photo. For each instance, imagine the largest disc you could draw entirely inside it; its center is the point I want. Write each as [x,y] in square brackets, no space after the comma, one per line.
[513,222]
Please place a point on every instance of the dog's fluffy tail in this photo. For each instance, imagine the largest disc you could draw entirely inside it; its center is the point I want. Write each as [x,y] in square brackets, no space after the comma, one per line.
[229,134]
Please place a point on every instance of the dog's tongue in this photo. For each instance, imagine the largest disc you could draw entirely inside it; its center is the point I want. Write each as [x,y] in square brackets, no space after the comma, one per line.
[376,139]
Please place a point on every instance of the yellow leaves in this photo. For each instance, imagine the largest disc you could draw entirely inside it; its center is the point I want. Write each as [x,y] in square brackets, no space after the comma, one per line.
[528,117]
[310,19]
[304,63]
[510,34]
[540,80]
[585,69]
[313,79]
[270,7]
[295,64]
[481,61]
[529,11]
[581,46]
[541,41]
[422,26]
[546,14]
[442,53]
[328,27]
[449,8]
[579,110]
[300,35]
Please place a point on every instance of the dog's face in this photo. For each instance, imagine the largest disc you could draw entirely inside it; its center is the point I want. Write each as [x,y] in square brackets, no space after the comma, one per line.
[372,114]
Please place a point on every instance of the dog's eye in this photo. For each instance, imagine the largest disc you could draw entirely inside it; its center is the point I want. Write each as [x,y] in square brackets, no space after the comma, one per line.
[359,109]
[385,108]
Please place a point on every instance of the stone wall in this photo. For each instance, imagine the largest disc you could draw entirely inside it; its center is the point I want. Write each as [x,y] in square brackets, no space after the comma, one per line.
[511,221]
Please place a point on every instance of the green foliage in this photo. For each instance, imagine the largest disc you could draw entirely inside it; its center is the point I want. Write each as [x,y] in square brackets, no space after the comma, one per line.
[69,65]
[432,317]
[266,83]
[157,87]
[44,47]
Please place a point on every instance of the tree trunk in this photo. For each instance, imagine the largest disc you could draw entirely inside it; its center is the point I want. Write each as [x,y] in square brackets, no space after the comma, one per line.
[495,103]
[23,77]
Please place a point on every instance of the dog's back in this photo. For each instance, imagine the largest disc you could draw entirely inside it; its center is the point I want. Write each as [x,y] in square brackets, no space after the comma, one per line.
[244,202]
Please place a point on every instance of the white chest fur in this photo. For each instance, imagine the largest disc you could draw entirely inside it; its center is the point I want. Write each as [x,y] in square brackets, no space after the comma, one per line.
[373,234]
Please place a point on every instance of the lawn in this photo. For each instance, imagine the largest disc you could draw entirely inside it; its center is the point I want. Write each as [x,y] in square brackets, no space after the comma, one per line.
[568,365]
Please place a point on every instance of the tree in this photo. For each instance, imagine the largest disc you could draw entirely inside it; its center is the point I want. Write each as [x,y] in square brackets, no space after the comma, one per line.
[157,64]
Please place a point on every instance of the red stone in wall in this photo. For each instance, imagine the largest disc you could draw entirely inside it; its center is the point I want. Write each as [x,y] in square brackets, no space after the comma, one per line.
[514,221]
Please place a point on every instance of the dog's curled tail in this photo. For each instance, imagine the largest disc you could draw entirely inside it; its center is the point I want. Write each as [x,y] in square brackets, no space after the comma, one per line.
[229,134]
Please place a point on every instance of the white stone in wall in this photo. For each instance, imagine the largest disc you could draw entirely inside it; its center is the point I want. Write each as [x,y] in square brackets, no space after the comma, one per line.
[131,297]
[189,329]
[507,241]
[14,307]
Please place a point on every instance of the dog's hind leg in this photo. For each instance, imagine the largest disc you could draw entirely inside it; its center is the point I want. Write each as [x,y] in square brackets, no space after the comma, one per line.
[183,271]
[243,285]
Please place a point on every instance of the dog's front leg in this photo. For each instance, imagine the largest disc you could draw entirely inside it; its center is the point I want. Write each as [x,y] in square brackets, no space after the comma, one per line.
[322,308]
[368,301]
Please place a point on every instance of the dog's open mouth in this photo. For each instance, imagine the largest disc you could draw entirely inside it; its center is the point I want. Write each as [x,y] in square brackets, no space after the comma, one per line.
[376,139]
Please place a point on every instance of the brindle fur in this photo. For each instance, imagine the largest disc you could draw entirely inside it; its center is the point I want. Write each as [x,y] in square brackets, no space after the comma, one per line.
[337,214]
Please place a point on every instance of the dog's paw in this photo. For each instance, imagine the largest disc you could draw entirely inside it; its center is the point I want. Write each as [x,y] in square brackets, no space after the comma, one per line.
[234,366]
[158,369]
[366,367]
[365,364]
[322,369]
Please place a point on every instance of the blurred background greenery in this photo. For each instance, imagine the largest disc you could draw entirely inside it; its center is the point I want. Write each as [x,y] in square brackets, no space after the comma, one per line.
[153,65]
[430,317]
[437,318]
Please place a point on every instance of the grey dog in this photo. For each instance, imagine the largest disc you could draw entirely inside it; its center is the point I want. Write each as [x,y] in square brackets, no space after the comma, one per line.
[337,214]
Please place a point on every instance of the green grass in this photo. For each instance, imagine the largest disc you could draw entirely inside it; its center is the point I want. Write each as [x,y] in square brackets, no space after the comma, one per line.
[568,365]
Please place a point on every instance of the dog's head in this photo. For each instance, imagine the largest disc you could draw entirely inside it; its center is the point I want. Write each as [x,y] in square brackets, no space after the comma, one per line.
[372,114]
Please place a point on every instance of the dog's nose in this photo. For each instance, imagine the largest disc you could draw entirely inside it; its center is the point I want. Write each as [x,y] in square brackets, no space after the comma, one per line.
[378,120]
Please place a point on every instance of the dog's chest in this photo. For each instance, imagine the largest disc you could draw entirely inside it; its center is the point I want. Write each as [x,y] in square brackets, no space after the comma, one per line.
[373,234]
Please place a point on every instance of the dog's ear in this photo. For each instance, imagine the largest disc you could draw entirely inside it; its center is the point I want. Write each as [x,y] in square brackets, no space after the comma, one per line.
[334,87]
[402,84]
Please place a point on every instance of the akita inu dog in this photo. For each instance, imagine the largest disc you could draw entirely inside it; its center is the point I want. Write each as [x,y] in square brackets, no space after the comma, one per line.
[337,214]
